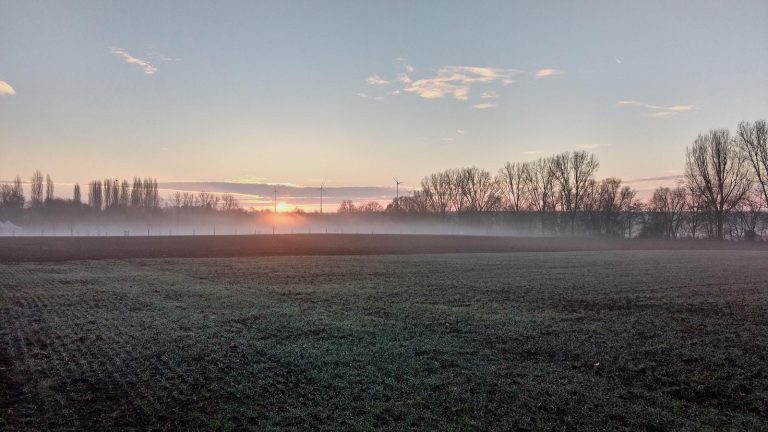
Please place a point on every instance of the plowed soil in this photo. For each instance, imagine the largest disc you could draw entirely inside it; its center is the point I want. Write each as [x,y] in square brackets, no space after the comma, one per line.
[601,340]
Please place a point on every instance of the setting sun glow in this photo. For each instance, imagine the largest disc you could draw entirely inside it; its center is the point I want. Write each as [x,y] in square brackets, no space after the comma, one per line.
[283,207]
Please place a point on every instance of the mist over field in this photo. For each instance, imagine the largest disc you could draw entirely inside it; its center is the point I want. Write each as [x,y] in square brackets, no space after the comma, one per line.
[289,223]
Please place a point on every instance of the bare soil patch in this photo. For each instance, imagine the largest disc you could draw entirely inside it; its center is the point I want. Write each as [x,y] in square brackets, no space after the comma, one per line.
[18,249]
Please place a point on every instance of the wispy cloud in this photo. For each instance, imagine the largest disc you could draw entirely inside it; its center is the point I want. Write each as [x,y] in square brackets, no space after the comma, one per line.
[461,131]
[248,180]
[6,89]
[542,73]
[376,80]
[146,67]
[657,111]
[484,105]
[533,152]
[657,107]
[477,85]
[457,81]
[404,63]
[590,146]
[674,177]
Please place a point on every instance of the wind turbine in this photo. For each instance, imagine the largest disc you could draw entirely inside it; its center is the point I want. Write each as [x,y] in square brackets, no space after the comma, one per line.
[397,191]
[322,187]
[275,199]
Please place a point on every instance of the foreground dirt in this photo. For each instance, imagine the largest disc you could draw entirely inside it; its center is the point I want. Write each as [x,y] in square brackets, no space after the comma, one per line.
[593,341]
[18,249]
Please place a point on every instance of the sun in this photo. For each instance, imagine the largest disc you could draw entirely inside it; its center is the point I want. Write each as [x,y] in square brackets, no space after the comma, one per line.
[282,207]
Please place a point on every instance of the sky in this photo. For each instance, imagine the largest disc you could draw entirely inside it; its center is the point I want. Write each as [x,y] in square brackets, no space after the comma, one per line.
[355,92]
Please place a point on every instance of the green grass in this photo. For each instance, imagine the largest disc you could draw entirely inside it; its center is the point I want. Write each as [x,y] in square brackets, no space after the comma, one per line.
[528,341]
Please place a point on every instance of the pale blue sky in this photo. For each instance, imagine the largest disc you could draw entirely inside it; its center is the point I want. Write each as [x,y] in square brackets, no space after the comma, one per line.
[284,91]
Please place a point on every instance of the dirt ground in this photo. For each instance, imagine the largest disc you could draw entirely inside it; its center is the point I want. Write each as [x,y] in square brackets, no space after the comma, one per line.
[74,248]
[616,340]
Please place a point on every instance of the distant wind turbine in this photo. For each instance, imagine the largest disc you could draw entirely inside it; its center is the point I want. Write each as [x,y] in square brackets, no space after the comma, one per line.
[275,199]
[397,193]
[322,187]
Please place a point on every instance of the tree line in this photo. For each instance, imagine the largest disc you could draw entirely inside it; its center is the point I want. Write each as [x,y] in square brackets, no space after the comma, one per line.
[108,195]
[724,193]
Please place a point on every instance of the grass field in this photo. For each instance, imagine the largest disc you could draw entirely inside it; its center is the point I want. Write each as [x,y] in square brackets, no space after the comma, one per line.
[634,340]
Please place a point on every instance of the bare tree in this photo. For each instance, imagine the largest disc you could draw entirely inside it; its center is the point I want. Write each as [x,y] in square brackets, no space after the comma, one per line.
[125,194]
[36,189]
[229,202]
[512,180]
[17,196]
[718,173]
[346,206]
[480,190]
[76,196]
[540,184]
[207,200]
[612,200]
[5,195]
[370,207]
[572,172]
[12,195]
[753,140]
[95,194]
[749,219]
[188,200]
[695,211]
[110,195]
[669,207]
[418,203]
[176,200]
[137,193]
[151,198]
[437,190]
[48,188]
[456,196]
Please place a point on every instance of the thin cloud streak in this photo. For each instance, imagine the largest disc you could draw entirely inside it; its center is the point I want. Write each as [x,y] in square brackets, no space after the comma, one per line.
[6,89]
[657,111]
[457,81]
[484,105]
[146,67]
[376,80]
[543,73]
[404,63]
[675,177]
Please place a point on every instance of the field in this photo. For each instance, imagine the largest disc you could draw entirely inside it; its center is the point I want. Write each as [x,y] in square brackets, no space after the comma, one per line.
[581,340]
[16,249]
